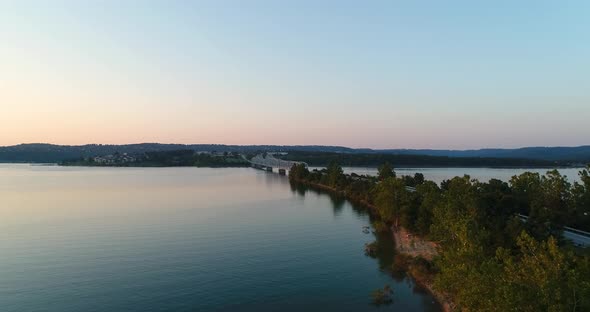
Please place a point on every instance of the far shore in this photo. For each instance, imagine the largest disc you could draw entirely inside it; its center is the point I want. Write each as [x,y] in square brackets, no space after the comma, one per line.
[32,163]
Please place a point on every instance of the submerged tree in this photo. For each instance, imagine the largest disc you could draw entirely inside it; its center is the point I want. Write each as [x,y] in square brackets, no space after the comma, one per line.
[382,296]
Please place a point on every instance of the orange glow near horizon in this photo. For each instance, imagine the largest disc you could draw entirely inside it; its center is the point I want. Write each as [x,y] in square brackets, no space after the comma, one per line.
[79,73]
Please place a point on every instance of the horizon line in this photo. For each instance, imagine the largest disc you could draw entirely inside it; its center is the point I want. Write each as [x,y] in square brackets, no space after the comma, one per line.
[301,145]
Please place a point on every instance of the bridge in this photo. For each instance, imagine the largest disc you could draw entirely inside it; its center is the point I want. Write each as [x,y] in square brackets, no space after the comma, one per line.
[269,162]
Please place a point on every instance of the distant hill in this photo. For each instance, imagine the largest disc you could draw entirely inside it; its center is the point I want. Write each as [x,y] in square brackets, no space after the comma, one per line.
[39,152]
[574,154]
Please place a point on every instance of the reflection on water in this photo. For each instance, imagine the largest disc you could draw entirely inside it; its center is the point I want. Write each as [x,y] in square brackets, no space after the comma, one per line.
[338,202]
[385,245]
[184,239]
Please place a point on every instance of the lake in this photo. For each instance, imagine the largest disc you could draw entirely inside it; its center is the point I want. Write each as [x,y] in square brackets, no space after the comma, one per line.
[185,239]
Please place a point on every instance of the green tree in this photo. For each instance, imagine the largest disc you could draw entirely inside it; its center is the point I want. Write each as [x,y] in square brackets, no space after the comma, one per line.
[391,198]
[335,174]
[429,196]
[418,178]
[457,227]
[496,202]
[540,198]
[557,197]
[551,205]
[541,277]
[526,189]
[580,217]
[298,172]
[456,218]
[386,171]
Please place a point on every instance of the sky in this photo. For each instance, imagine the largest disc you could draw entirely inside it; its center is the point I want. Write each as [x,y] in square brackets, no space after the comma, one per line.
[377,74]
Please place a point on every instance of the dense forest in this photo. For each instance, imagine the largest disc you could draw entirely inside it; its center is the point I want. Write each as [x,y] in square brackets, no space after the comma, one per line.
[374,160]
[179,158]
[488,258]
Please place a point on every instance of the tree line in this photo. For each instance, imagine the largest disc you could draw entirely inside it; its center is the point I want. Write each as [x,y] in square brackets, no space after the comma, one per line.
[175,158]
[407,160]
[489,259]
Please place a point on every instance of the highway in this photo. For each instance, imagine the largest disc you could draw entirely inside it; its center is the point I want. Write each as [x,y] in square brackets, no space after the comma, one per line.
[578,237]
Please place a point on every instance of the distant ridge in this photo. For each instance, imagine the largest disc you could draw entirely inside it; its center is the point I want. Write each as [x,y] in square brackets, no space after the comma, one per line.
[578,153]
[41,152]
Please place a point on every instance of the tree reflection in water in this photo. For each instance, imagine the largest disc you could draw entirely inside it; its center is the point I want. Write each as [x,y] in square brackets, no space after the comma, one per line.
[385,246]
[385,251]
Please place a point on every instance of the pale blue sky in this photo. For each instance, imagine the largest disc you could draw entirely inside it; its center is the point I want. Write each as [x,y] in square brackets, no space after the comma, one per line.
[415,74]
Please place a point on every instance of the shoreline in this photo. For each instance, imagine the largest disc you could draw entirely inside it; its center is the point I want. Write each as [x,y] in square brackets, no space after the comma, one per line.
[570,166]
[402,167]
[414,248]
[399,245]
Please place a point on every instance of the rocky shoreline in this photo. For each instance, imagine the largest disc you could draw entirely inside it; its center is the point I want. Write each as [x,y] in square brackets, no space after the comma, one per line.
[413,247]
[405,243]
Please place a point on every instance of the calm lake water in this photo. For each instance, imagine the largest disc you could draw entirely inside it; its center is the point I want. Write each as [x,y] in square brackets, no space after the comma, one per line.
[482,174]
[184,239]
